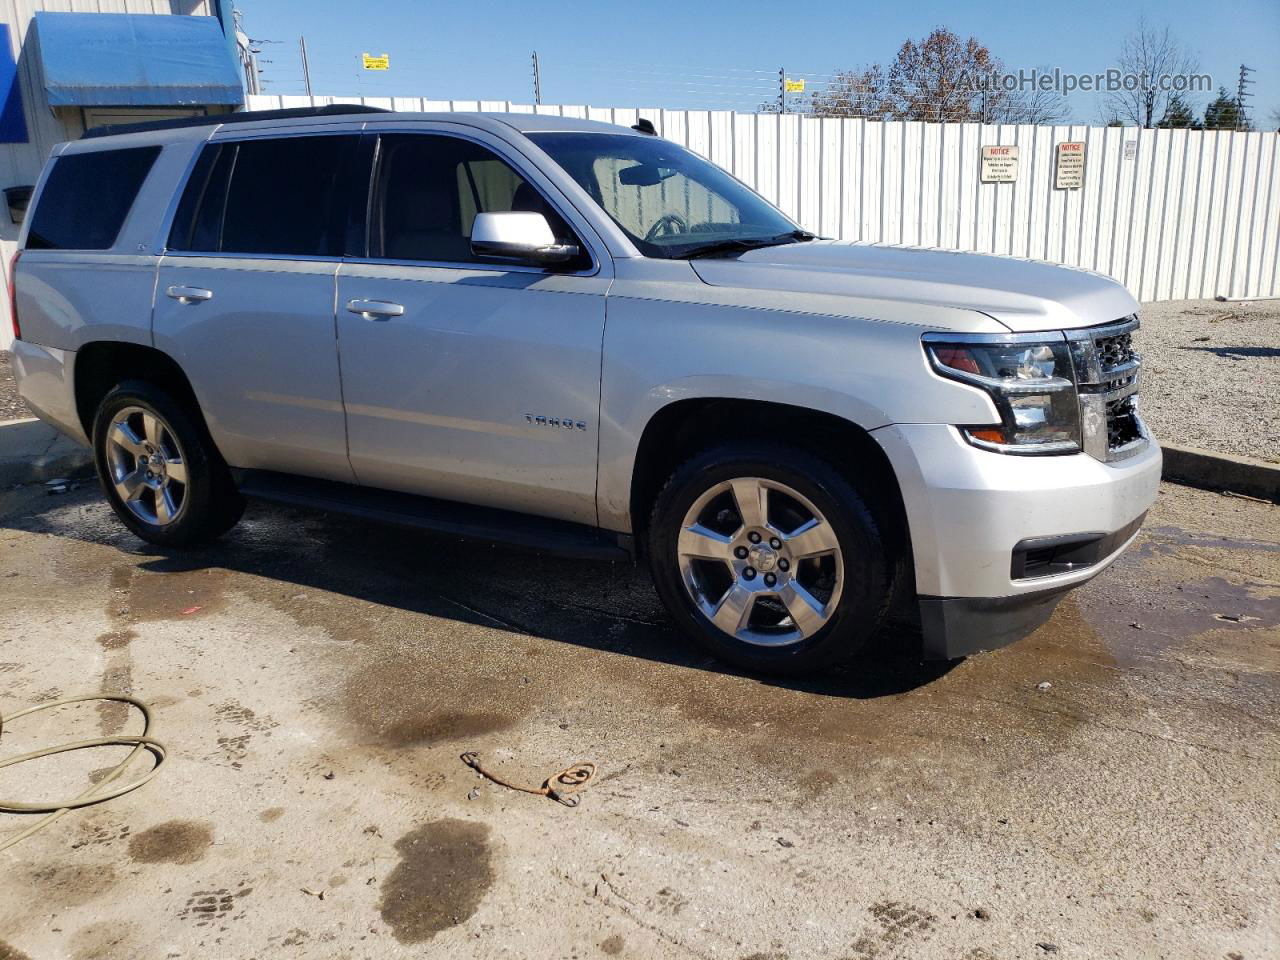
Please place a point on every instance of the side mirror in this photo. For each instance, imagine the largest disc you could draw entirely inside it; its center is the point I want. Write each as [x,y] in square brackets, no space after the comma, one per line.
[516,235]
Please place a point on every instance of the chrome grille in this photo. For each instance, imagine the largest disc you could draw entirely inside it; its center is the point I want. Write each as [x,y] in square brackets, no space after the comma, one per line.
[1123,425]
[1115,351]
[1107,377]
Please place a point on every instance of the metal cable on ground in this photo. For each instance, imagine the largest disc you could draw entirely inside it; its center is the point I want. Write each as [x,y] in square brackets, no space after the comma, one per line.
[97,792]
[562,787]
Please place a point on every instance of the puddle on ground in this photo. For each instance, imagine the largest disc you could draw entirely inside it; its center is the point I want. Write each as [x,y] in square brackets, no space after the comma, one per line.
[167,592]
[444,871]
[177,841]
[116,639]
[1163,539]
[57,886]
[1177,589]
[412,702]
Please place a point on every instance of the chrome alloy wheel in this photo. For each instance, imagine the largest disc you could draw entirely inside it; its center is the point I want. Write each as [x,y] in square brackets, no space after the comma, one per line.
[760,561]
[146,466]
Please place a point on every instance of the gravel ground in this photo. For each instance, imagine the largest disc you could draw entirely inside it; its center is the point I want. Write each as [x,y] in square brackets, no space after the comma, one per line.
[11,405]
[1212,375]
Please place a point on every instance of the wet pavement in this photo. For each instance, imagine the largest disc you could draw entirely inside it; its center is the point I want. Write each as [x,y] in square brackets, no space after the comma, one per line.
[315,680]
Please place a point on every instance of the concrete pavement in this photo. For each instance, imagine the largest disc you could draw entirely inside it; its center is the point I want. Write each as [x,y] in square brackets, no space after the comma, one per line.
[316,679]
[32,451]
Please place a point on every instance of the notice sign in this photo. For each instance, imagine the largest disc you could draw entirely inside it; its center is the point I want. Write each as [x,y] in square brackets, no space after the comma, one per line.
[1069,171]
[381,62]
[999,164]
[795,86]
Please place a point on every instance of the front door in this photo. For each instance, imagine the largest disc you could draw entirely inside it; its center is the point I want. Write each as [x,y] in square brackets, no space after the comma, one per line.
[464,379]
[244,299]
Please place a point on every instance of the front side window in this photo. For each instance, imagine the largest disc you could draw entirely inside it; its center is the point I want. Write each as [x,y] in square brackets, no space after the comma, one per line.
[429,190]
[281,197]
[669,201]
[86,198]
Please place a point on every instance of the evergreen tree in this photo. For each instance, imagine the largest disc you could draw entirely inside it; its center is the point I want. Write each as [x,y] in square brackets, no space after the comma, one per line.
[1178,115]
[1225,113]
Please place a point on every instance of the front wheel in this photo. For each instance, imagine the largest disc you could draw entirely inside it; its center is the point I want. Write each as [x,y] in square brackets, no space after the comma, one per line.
[159,468]
[769,558]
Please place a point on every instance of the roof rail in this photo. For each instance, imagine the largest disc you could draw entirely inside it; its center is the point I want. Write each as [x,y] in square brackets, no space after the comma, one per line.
[244,116]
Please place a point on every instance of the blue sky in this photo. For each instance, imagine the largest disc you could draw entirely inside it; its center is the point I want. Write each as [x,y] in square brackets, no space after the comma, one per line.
[718,54]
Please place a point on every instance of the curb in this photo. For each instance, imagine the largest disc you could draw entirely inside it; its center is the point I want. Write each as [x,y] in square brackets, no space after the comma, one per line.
[31,451]
[1221,471]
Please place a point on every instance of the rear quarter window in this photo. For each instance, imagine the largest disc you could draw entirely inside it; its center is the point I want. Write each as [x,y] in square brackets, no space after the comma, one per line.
[279,196]
[86,198]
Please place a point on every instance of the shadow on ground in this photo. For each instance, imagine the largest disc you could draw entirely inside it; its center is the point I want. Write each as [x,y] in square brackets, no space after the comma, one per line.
[596,605]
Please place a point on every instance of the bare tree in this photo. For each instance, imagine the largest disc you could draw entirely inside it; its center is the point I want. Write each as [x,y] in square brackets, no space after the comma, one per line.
[938,78]
[1033,105]
[941,78]
[1275,118]
[854,93]
[1149,54]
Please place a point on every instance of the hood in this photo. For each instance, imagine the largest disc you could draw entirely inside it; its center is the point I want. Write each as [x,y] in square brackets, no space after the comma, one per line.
[1023,295]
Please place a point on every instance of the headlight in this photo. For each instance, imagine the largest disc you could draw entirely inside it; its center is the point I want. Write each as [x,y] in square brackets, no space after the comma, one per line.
[1030,380]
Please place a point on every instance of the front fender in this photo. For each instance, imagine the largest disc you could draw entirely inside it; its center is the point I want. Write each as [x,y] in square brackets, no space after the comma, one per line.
[658,352]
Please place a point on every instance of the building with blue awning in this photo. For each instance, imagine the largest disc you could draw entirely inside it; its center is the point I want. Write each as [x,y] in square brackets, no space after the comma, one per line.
[64,72]
[135,60]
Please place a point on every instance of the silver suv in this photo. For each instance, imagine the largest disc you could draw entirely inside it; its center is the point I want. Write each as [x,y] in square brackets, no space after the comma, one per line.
[583,338]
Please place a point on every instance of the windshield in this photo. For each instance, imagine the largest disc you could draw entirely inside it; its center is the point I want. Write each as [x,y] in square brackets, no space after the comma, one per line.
[670,202]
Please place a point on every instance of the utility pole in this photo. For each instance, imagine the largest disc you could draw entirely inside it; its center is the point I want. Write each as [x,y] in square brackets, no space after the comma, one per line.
[537,80]
[306,69]
[782,89]
[1242,118]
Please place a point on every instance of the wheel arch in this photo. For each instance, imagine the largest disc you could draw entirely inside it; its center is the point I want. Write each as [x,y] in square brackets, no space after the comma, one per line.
[102,364]
[682,428]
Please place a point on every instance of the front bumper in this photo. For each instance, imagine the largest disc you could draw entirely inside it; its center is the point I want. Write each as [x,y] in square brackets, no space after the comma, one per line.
[969,510]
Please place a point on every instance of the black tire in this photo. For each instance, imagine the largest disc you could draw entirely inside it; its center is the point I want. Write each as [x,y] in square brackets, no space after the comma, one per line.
[211,504]
[868,570]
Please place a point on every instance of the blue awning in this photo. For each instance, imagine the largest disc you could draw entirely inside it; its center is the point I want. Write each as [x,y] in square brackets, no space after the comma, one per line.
[125,59]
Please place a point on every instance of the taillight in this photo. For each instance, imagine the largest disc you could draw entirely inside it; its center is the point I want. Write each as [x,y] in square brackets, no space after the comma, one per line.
[13,295]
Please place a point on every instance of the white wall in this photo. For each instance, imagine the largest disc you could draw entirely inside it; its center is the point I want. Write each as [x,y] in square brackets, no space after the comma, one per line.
[20,163]
[1190,214]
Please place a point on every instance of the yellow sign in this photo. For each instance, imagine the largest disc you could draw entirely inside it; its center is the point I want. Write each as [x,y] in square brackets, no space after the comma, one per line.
[795,86]
[376,63]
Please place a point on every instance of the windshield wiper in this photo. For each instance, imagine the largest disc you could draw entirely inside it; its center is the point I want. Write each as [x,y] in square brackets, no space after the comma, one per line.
[739,244]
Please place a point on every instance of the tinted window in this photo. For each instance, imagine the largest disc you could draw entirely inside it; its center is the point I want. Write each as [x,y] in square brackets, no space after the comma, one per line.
[429,191]
[86,198]
[266,197]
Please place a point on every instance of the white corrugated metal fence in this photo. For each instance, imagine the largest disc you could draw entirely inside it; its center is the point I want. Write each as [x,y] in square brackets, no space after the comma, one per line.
[1177,214]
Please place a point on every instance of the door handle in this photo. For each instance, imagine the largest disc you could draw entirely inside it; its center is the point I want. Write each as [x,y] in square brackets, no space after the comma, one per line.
[189,294]
[376,309]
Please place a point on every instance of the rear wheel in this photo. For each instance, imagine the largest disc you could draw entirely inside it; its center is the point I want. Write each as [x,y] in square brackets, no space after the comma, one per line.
[159,468]
[769,558]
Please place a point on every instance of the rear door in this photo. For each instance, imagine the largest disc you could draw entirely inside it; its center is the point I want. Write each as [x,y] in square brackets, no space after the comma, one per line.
[244,298]
[470,380]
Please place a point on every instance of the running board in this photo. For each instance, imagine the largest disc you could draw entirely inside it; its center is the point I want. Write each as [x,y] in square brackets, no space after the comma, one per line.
[440,516]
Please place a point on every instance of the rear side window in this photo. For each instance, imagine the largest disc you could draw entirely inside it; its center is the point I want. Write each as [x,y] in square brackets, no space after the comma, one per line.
[86,198]
[282,197]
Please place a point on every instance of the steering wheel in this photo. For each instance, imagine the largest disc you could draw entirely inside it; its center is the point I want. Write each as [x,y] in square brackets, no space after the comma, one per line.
[668,225]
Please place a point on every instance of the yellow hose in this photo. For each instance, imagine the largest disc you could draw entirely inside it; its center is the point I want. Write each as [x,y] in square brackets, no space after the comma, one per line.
[97,792]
